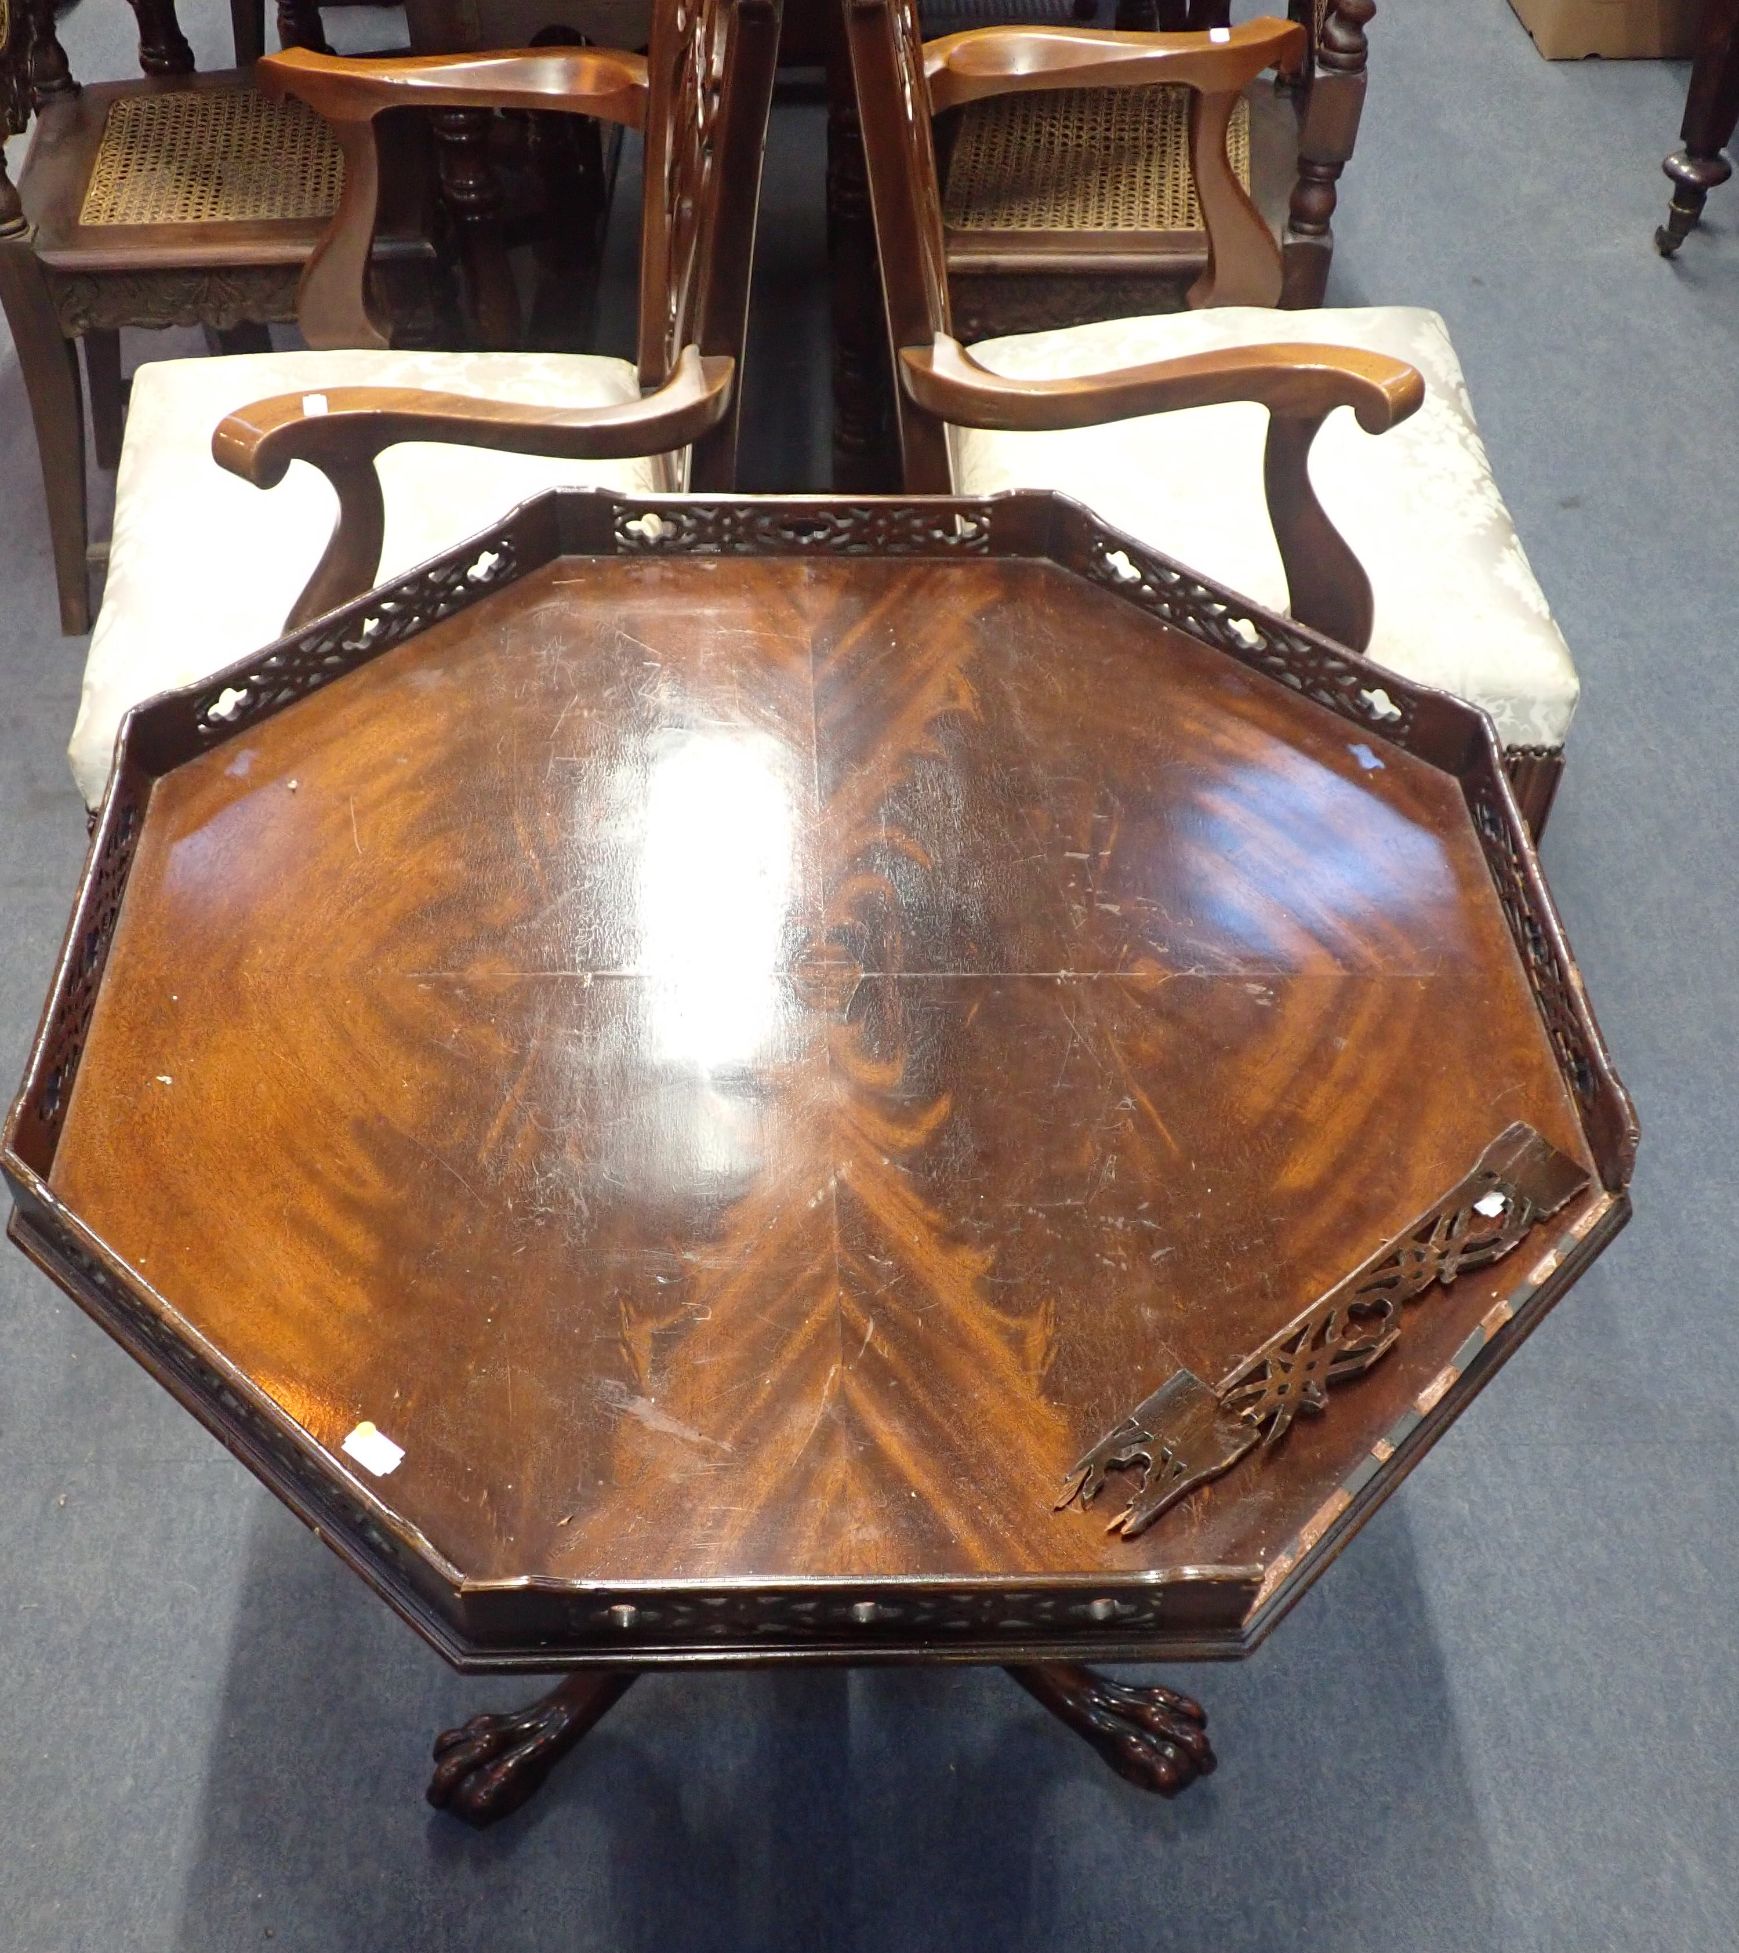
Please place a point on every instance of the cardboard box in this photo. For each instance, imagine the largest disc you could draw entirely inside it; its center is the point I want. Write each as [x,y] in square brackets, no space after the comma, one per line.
[1648,30]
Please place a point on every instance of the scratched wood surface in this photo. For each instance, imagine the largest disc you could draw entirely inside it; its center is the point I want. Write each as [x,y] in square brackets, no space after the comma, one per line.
[750,1066]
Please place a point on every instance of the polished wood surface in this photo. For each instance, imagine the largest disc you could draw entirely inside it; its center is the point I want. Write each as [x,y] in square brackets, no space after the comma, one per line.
[744,1067]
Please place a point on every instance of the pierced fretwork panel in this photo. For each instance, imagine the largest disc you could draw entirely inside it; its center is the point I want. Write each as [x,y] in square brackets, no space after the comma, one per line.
[1187,1432]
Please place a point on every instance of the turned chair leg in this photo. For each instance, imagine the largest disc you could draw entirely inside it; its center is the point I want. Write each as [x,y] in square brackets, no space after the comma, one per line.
[493,1764]
[1152,1737]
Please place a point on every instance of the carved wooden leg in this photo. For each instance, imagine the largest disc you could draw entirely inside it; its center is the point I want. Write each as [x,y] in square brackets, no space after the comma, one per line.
[1152,1737]
[1711,112]
[490,1767]
[48,363]
[102,350]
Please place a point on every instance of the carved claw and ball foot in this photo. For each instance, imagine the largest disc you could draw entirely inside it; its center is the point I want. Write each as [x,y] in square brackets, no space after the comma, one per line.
[1693,177]
[491,1766]
[1152,1737]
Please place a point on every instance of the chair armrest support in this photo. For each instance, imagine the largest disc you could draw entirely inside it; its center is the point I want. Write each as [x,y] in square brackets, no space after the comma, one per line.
[1244,264]
[986,61]
[332,302]
[1300,385]
[343,430]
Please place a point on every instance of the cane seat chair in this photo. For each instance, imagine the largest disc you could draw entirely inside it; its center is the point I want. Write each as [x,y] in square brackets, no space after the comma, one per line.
[204,568]
[1078,204]
[176,199]
[1399,546]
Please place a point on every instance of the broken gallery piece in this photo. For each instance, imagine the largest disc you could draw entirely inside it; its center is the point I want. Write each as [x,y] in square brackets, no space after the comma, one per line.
[1186,1434]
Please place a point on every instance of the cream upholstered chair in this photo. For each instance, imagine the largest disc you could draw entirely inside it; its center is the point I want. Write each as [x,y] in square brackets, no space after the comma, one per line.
[1159,423]
[204,568]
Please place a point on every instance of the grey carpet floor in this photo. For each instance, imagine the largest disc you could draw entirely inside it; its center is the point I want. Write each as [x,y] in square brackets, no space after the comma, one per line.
[1505,1719]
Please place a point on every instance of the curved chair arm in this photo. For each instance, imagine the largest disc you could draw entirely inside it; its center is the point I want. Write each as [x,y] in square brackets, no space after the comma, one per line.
[983,61]
[577,80]
[332,303]
[343,430]
[1300,385]
[1244,263]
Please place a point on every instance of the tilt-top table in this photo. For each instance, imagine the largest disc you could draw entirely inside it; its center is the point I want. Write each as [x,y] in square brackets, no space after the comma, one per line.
[817,1081]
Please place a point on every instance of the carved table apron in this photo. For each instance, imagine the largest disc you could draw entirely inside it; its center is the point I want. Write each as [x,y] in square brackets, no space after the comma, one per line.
[719,1082]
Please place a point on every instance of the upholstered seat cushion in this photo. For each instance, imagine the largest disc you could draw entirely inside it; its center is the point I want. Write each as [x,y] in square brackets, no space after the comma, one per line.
[1456,605]
[204,567]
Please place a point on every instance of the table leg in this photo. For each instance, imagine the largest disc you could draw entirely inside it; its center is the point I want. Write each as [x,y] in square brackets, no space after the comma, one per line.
[493,1764]
[1711,111]
[1152,1737]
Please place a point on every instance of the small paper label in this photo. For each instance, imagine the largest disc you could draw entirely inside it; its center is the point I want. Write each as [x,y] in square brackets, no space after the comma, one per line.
[1490,1205]
[373,1450]
[1219,34]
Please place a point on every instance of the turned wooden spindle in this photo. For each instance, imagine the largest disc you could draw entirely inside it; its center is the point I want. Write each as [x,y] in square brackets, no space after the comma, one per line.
[1331,127]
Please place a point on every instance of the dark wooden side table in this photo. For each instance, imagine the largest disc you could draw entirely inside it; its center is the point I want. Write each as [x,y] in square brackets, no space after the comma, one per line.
[1711,112]
[749,1082]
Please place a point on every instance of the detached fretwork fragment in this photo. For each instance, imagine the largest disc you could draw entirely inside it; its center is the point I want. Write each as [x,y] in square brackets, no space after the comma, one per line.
[1189,1432]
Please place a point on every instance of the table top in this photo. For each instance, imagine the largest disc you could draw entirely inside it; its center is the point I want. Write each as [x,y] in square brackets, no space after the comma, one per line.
[670,1090]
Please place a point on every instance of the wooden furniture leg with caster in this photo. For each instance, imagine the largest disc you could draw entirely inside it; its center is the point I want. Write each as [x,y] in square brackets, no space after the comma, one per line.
[1711,113]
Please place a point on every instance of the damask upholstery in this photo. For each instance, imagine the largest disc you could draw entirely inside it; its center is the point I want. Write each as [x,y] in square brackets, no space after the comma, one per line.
[1456,604]
[204,566]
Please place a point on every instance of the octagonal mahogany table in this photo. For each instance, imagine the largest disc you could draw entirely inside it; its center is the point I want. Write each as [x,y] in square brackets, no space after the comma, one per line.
[749,1082]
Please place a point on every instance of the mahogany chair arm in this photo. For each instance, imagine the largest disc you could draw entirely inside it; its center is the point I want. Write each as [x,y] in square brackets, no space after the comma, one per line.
[985,61]
[332,303]
[1300,385]
[578,80]
[343,430]
[1244,263]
